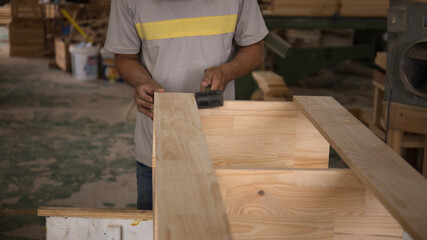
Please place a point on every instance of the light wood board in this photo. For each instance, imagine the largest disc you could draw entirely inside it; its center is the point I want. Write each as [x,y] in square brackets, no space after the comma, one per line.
[302,8]
[188,200]
[302,204]
[95,213]
[248,134]
[364,8]
[401,189]
[408,118]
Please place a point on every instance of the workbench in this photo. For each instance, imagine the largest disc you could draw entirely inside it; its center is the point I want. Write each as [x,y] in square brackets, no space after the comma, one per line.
[295,63]
[259,170]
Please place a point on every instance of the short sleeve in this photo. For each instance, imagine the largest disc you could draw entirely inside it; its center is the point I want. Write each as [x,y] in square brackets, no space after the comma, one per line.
[250,26]
[122,36]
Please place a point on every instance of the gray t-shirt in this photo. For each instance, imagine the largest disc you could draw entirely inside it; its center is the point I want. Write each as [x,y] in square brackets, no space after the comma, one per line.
[178,40]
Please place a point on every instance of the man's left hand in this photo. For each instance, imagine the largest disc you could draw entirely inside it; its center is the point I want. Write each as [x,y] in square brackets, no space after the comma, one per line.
[214,77]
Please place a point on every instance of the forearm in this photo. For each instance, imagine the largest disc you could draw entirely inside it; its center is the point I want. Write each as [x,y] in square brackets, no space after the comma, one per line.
[131,70]
[246,60]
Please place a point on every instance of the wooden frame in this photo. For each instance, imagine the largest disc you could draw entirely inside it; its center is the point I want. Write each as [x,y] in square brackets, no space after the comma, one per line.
[204,189]
[186,188]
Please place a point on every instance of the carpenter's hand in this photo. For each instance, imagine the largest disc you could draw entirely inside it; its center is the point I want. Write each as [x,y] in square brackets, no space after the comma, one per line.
[144,97]
[214,77]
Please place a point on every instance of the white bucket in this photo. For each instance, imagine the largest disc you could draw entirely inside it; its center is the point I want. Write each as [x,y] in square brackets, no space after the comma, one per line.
[84,62]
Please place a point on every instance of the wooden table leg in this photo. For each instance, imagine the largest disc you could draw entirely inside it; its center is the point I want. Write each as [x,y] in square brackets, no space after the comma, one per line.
[425,158]
[395,140]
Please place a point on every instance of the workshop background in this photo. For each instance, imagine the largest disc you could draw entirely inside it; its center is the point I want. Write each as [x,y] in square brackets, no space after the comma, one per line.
[66,135]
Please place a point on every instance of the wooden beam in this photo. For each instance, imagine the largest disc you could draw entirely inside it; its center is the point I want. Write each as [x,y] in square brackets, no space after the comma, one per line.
[425,158]
[381,60]
[408,118]
[248,134]
[302,204]
[188,200]
[94,213]
[401,189]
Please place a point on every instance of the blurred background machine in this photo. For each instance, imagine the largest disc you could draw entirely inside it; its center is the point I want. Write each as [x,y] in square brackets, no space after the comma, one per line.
[405,102]
[407,53]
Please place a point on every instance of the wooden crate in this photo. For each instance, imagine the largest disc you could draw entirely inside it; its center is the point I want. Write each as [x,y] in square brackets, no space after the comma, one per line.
[27,9]
[259,170]
[5,13]
[27,38]
[265,202]
[313,8]
[364,8]
[62,54]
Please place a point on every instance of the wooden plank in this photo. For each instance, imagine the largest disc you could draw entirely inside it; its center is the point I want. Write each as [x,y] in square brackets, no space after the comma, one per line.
[425,158]
[95,213]
[364,8]
[305,8]
[408,118]
[249,134]
[401,189]
[394,140]
[302,204]
[281,227]
[381,60]
[188,200]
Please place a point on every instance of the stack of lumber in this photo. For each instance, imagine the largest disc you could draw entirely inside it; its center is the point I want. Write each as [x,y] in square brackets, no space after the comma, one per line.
[324,8]
[364,8]
[27,30]
[303,38]
[313,8]
[5,14]
[271,86]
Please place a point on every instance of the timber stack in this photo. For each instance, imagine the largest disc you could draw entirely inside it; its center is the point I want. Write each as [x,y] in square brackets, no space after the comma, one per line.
[325,8]
[27,29]
[272,87]
[364,8]
[5,14]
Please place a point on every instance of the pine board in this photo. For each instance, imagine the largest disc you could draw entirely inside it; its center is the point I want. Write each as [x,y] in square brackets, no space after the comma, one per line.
[302,8]
[400,188]
[188,200]
[249,134]
[302,204]
[94,213]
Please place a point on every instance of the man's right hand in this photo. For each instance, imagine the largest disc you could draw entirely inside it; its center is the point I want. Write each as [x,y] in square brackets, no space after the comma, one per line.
[144,97]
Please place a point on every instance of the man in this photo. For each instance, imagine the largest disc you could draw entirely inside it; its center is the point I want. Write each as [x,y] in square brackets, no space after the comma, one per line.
[180,46]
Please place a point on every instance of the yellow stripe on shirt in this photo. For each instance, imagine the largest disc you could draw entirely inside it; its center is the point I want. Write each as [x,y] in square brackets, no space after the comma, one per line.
[187,27]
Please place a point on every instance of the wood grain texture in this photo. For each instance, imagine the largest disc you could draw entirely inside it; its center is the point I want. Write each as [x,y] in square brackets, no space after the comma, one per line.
[249,134]
[381,59]
[401,189]
[408,118]
[302,204]
[94,213]
[364,8]
[305,8]
[188,200]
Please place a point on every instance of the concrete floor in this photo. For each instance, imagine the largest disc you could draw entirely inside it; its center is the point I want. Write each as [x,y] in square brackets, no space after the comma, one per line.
[63,143]
[67,143]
